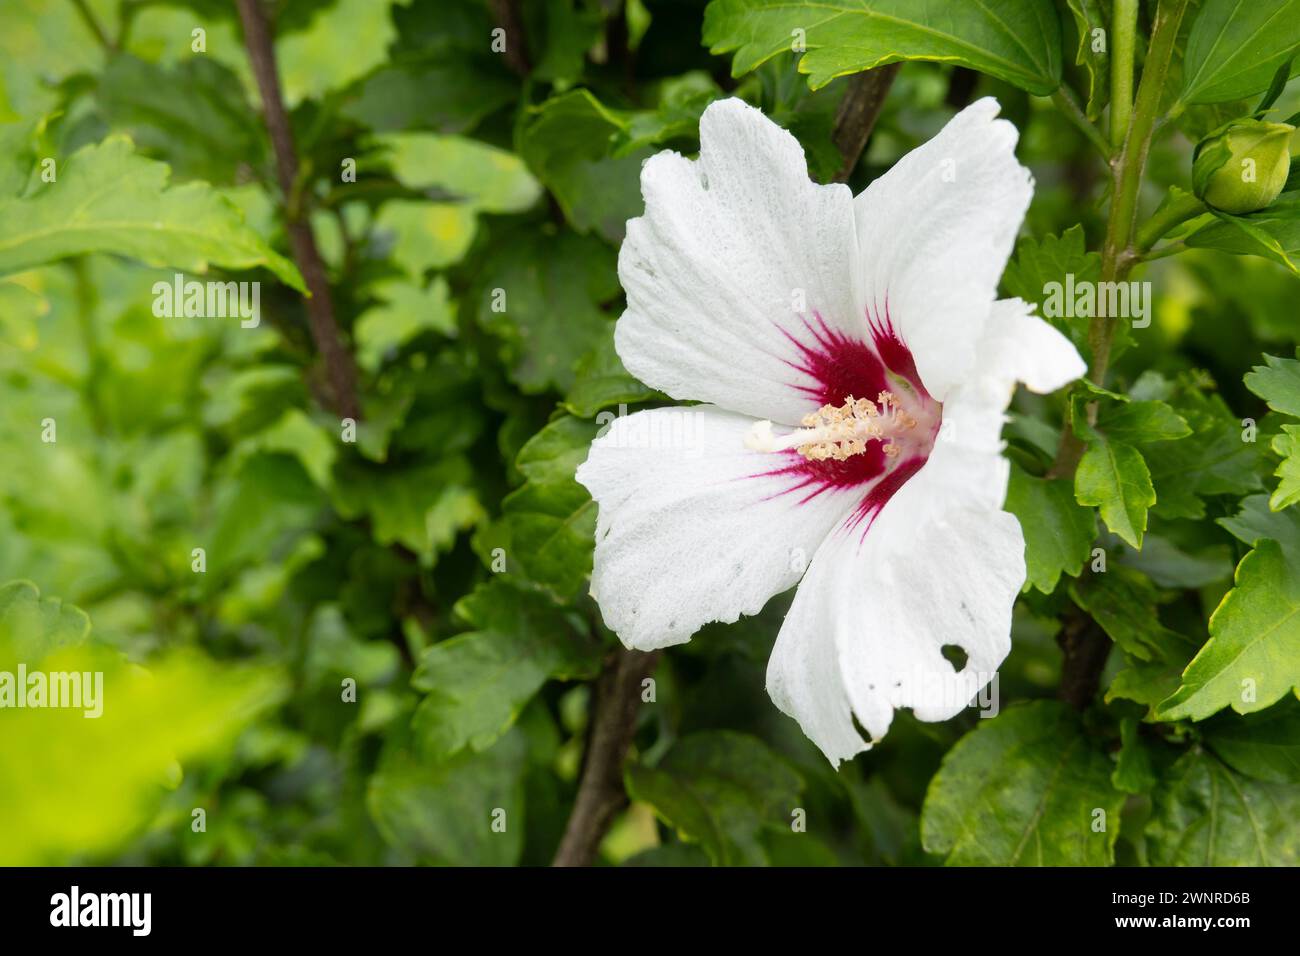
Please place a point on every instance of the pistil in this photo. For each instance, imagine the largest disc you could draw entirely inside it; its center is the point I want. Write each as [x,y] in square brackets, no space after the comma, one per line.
[839,432]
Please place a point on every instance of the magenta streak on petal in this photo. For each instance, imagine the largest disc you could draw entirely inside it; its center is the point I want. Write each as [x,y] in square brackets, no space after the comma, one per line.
[883,490]
[815,477]
[896,356]
[842,366]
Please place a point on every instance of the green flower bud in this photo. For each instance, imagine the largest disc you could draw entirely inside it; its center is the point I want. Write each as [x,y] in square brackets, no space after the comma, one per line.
[1243,166]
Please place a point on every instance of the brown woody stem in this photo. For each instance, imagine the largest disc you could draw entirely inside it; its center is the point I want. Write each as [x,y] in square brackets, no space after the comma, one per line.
[858,112]
[601,795]
[340,372]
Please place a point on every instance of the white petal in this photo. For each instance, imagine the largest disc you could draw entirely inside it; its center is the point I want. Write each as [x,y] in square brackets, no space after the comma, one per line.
[871,614]
[734,255]
[966,466]
[934,234]
[693,527]
[865,633]
[1018,346]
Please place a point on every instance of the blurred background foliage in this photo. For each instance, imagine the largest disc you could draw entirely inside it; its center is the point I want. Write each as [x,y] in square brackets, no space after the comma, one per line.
[373,561]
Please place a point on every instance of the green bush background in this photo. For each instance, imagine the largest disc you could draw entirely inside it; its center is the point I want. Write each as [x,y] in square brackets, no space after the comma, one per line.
[328,560]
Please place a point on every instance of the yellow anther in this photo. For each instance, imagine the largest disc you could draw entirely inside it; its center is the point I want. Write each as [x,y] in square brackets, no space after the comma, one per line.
[838,432]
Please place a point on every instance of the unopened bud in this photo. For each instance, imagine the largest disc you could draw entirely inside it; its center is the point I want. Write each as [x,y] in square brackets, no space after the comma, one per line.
[1244,166]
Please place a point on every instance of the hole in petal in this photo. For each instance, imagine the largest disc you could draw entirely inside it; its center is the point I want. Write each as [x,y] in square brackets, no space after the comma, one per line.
[955,655]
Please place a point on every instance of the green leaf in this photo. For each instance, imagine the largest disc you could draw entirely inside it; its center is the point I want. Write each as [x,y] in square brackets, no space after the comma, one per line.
[1256,521]
[477,683]
[1213,460]
[334,652]
[1198,122]
[675,854]
[1090,15]
[444,810]
[295,434]
[193,116]
[676,116]
[242,401]
[570,28]
[1275,87]
[1113,477]
[1148,682]
[551,520]
[343,41]
[1234,48]
[405,311]
[34,626]
[487,178]
[1141,422]
[1287,445]
[422,508]
[445,96]
[1124,603]
[265,502]
[1272,233]
[443,75]
[1277,382]
[109,199]
[1204,814]
[19,144]
[1170,566]
[1133,771]
[1253,656]
[1015,40]
[43,44]
[20,311]
[721,789]
[568,145]
[549,310]
[426,235]
[1058,533]
[1113,473]
[891,828]
[1265,746]
[1021,789]
[78,785]
[590,156]
[1038,273]
[600,380]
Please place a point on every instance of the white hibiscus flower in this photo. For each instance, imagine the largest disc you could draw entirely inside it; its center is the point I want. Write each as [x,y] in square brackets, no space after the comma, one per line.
[856,369]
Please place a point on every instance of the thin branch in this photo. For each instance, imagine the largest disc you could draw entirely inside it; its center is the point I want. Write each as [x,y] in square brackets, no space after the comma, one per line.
[1086,648]
[618,50]
[1118,255]
[93,24]
[1083,642]
[1169,216]
[858,113]
[126,20]
[600,788]
[1123,46]
[961,88]
[1069,106]
[507,17]
[339,368]
[1168,249]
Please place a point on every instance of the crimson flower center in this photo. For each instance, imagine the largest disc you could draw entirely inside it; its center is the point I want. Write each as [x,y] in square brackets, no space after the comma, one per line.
[838,432]
[875,427]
